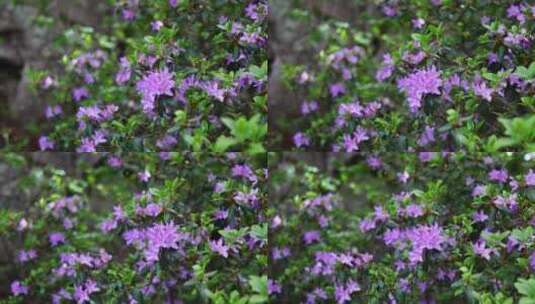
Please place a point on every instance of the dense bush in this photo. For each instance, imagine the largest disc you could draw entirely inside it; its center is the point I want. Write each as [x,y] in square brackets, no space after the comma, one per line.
[403,228]
[413,75]
[161,75]
[184,228]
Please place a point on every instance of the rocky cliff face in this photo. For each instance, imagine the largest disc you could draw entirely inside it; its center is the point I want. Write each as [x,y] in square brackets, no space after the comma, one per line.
[25,45]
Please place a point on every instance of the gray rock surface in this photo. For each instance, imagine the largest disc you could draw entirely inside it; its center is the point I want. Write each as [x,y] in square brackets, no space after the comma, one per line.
[24,45]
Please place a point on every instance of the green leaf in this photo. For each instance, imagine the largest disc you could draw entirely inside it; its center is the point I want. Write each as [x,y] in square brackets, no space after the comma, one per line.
[526,73]
[259,284]
[223,143]
[260,232]
[526,288]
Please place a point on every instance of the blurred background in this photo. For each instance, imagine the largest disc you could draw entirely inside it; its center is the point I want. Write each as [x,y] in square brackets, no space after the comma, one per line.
[290,26]
[27,35]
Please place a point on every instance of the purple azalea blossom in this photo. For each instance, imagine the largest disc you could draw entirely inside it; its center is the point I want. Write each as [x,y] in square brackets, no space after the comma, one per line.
[79,94]
[301,140]
[479,216]
[481,90]
[144,176]
[25,256]
[530,178]
[532,261]
[312,236]
[45,143]
[17,288]
[274,287]
[56,238]
[83,292]
[153,85]
[420,83]
[413,210]
[337,89]
[219,247]
[482,250]
[500,176]
[424,237]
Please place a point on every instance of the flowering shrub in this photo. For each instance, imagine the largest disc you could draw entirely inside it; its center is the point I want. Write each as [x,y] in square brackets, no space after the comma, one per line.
[167,75]
[413,76]
[138,228]
[403,228]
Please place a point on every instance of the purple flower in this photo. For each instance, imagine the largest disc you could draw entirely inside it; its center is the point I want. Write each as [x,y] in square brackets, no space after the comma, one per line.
[418,23]
[144,176]
[509,202]
[244,171]
[309,107]
[414,58]
[108,225]
[403,177]
[367,225]
[134,237]
[380,214]
[386,69]
[56,238]
[256,11]
[312,236]
[173,3]
[87,145]
[220,214]
[60,295]
[124,73]
[337,89]
[17,288]
[45,143]
[167,142]
[115,162]
[351,142]
[128,14]
[162,235]
[479,216]
[427,137]
[152,209]
[530,178]
[413,210]
[83,292]
[479,190]
[53,111]
[219,247]
[420,83]
[153,85]
[374,162]
[532,261]
[390,11]
[301,140]
[481,249]
[212,89]
[48,82]
[156,25]
[80,93]
[498,175]
[393,236]
[25,256]
[274,287]
[515,11]
[424,237]
[481,90]
[343,293]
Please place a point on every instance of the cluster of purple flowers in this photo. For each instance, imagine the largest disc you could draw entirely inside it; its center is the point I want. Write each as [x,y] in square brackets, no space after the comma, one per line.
[416,85]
